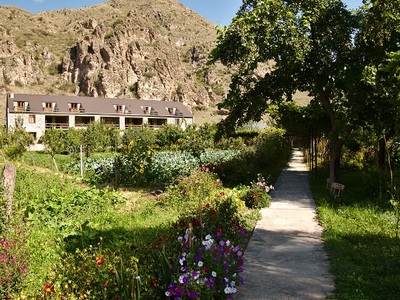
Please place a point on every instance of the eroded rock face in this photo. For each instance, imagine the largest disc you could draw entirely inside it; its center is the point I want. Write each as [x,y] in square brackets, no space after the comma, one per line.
[124,49]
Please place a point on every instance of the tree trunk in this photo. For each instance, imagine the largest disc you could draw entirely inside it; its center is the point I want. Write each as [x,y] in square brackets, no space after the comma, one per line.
[381,154]
[336,153]
[54,162]
[381,159]
[9,174]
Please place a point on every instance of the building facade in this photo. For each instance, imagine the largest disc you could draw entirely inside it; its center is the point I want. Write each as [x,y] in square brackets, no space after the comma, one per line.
[36,113]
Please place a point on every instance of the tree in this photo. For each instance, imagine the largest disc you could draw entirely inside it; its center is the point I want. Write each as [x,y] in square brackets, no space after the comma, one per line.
[54,141]
[376,87]
[308,44]
[14,142]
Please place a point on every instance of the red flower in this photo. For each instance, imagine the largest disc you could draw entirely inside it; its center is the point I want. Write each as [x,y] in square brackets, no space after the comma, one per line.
[99,261]
[195,222]
[182,223]
[213,212]
[222,194]
[48,288]
[154,283]
[208,205]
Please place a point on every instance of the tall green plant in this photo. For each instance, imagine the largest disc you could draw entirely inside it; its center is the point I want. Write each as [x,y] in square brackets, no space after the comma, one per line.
[54,141]
[14,142]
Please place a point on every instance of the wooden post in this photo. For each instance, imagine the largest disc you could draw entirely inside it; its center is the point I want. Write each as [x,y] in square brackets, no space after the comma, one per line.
[116,173]
[9,174]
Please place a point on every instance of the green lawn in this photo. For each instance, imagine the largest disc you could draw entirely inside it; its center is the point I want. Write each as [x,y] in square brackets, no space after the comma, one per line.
[360,237]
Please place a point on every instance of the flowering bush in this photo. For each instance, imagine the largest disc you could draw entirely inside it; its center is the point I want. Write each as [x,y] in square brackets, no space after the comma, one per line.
[257,196]
[93,273]
[209,268]
[14,257]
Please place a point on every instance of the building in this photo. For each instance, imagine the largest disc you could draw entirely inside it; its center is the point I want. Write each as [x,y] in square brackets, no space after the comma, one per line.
[36,113]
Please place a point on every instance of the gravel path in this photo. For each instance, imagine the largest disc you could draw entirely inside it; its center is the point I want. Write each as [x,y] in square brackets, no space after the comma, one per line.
[285,259]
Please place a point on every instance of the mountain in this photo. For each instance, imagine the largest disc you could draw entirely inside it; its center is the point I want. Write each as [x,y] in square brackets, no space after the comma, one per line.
[150,50]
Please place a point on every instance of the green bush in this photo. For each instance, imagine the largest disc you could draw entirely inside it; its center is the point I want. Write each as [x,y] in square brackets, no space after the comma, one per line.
[269,154]
[257,195]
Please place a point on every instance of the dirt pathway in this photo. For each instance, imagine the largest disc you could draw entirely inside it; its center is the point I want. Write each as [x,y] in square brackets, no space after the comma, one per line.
[285,258]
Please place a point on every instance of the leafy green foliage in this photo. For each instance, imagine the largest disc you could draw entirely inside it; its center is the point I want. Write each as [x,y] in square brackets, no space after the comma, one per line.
[269,155]
[14,142]
[359,234]
[94,273]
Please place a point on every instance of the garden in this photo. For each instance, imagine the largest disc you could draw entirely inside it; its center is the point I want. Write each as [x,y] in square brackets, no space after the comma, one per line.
[157,214]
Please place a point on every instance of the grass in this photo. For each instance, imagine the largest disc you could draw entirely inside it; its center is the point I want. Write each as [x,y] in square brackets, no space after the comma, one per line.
[359,234]
[63,215]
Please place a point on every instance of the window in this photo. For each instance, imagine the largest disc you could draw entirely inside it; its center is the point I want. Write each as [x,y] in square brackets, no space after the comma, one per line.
[32,119]
[171,110]
[119,109]
[20,105]
[48,106]
[146,110]
[73,107]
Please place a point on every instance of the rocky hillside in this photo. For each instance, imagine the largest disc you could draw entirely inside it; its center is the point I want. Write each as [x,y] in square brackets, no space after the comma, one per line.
[132,49]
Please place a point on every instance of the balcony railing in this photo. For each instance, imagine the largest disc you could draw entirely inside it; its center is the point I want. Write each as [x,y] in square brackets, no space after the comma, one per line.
[21,108]
[57,125]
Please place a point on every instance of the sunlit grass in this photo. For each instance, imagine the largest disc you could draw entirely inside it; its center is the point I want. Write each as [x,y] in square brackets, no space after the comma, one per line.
[360,239]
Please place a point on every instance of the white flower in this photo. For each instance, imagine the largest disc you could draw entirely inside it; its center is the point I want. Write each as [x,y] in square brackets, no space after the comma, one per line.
[200,264]
[167,293]
[208,237]
[214,274]
[230,290]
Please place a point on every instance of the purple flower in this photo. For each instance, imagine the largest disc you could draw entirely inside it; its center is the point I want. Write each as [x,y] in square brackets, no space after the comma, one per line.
[240,262]
[218,234]
[179,291]
[193,294]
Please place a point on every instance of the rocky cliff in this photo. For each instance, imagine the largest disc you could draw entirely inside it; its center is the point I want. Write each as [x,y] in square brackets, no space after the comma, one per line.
[132,49]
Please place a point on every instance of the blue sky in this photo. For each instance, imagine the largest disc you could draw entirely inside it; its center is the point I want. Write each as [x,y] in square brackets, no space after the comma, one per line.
[219,12]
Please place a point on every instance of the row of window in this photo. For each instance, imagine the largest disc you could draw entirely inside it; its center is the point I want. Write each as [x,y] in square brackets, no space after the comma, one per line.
[77,107]
[32,120]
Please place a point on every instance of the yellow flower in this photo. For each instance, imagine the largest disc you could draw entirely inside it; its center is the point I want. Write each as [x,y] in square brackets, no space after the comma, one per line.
[148,152]
[131,143]
[141,171]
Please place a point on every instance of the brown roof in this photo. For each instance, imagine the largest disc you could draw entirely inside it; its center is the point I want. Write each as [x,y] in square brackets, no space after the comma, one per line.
[97,106]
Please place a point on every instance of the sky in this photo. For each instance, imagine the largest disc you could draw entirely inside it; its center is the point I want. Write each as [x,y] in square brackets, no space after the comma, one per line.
[220,12]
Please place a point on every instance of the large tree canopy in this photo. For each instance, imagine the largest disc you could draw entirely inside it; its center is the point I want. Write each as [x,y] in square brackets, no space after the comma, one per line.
[310,45]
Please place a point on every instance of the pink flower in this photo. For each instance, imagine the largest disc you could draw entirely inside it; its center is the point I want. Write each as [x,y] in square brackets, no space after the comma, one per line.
[3,257]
